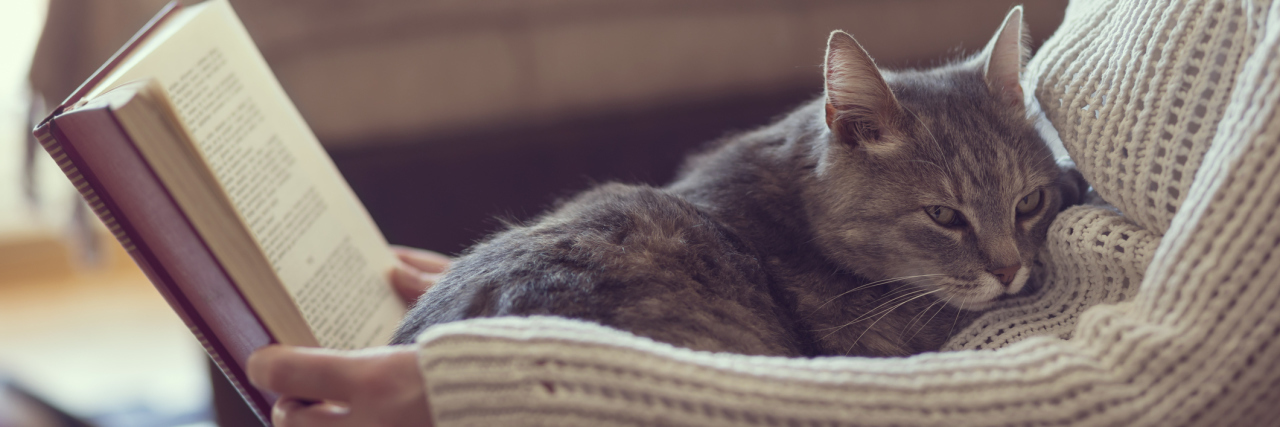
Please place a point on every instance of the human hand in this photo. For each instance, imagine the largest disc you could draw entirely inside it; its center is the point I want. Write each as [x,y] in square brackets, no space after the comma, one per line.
[418,271]
[373,387]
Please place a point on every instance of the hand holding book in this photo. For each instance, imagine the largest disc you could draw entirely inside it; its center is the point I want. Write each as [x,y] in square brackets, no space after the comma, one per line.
[378,386]
[193,156]
[370,387]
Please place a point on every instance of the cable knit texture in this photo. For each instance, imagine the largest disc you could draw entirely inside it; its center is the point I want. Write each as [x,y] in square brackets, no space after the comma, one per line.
[1159,312]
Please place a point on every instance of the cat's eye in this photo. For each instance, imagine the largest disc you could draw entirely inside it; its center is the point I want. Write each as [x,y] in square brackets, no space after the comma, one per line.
[1030,202]
[944,216]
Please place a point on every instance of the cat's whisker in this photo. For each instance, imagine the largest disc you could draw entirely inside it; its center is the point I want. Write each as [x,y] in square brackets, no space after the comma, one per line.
[958,310]
[891,298]
[883,282]
[935,314]
[909,296]
[882,316]
[897,293]
[875,310]
[870,313]
[917,317]
[868,286]
[864,318]
[1048,157]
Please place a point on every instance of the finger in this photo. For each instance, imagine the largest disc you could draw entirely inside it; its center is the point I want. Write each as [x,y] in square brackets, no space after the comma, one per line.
[309,373]
[289,412]
[411,283]
[421,259]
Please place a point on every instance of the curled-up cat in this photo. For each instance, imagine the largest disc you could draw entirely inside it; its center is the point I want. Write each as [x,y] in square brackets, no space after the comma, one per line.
[867,222]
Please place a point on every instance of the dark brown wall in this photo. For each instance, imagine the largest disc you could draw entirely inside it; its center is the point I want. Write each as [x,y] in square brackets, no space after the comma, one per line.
[445,193]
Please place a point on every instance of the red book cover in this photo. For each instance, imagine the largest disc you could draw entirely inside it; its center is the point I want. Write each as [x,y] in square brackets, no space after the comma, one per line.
[101,160]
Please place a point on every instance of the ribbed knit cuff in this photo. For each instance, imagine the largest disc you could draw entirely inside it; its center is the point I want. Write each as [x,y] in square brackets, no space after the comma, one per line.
[550,371]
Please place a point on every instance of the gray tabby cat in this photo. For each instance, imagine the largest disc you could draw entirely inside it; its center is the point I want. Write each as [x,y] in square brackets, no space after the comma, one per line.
[868,222]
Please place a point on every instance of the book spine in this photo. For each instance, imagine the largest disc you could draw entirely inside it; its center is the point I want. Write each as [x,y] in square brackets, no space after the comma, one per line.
[226,368]
[223,353]
[91,197]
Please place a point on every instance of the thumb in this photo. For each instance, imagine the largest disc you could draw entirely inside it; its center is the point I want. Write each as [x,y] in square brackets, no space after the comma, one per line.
[310,373]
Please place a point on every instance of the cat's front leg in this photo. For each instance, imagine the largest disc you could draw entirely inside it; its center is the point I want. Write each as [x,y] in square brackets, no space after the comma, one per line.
[1074,188]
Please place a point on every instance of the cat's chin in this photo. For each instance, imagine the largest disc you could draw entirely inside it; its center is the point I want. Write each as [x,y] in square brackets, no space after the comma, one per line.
[977,306]
[984,292]
[973,294]
[980,306]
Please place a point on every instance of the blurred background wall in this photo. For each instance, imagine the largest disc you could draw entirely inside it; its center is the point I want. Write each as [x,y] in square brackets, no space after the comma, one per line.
[443,114]
[446,114]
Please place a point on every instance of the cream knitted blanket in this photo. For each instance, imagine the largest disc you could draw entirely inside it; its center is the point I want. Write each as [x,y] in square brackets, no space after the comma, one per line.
[1159,312]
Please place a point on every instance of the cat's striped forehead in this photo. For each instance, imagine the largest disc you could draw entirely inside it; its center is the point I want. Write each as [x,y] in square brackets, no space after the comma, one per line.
[987,173]
[978,151]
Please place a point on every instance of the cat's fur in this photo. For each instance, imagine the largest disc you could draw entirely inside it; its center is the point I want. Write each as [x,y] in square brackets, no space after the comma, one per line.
[781,241]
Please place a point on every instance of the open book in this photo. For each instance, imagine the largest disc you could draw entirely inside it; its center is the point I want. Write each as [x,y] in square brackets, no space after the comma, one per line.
[188,149]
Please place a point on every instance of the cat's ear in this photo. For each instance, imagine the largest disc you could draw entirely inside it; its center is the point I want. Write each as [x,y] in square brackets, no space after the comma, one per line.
[860,106]
[1004,57]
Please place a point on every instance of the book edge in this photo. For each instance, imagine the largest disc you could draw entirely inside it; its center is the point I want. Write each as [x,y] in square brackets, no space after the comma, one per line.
[82,178]
[116,58]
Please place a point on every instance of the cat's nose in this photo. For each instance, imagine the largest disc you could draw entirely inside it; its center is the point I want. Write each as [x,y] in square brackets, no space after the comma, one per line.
[1006,274]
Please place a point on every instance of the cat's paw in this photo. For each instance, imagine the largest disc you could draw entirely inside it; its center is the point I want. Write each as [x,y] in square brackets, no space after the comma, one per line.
[1074,188]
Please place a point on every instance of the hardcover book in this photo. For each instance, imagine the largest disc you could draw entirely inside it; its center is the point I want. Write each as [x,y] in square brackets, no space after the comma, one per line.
[190,152]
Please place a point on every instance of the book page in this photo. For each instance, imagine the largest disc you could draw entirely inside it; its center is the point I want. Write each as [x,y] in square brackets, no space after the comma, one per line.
[316,235]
